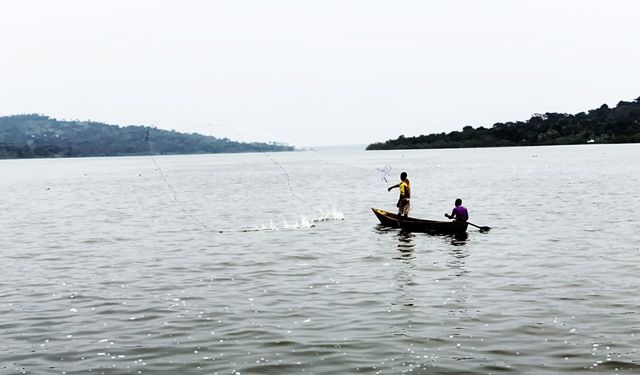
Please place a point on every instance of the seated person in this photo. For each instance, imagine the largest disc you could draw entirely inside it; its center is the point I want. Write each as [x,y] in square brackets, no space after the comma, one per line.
[459,213]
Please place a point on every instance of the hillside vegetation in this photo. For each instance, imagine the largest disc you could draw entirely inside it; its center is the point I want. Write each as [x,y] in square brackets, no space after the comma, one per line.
[620,124]
[37,136]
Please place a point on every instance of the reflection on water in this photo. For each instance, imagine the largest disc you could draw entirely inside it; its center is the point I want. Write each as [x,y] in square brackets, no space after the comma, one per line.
[381,229]
[457,261]
[405,245]
[404,281]
[459,239]
[458,253]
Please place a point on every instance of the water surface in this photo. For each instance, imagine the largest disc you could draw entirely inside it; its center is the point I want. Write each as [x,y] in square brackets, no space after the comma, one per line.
[222,264]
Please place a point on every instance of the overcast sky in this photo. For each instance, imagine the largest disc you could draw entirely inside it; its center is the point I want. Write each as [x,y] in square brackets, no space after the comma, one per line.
[316,72]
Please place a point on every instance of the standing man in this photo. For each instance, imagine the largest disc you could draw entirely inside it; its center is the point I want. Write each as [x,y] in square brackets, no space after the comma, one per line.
[459,213]
[403,204]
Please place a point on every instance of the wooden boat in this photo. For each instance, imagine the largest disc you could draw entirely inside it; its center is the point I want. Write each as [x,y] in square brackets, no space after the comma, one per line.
[411,224]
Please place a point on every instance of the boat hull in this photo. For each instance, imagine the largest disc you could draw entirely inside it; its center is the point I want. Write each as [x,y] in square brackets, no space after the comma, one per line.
[389,219]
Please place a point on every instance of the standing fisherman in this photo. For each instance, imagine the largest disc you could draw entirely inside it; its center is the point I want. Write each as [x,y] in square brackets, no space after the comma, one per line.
[403,204]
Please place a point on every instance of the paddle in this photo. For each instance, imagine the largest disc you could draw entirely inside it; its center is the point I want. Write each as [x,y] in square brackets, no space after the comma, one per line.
[482,229]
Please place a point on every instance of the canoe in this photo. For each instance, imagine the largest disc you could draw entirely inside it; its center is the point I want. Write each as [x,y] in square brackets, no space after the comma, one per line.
[411,224]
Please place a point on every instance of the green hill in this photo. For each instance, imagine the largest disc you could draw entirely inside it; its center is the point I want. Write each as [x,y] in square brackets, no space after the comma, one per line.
[37,136]
[620,124]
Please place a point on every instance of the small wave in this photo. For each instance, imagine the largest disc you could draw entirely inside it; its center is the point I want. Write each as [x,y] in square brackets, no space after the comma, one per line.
[304,222]
[330,215]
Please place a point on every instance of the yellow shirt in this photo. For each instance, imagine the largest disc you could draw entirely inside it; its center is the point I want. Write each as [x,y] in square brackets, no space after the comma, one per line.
[405,189]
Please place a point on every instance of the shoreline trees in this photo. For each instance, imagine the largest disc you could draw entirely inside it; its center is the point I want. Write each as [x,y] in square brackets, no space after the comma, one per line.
[620,124]
[37,136]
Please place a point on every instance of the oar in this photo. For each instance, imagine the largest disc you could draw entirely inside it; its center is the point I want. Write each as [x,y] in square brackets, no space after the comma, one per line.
[484,229]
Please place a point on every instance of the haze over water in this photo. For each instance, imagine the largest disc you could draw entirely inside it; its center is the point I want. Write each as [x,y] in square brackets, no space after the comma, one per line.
[126,265]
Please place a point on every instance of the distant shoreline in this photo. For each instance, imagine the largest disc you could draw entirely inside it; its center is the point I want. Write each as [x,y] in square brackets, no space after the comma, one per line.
[36,136]
[604,125]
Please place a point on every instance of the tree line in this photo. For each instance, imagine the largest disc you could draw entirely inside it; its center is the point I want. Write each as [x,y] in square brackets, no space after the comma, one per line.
[38,136]
[620,124]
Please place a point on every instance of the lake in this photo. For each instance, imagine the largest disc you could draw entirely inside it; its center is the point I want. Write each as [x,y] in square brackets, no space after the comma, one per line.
[275,264]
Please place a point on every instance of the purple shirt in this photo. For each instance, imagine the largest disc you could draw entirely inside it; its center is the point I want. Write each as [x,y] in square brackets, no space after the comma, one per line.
[460,213]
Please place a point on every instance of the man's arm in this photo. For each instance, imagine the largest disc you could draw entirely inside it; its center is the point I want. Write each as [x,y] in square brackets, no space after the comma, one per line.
[452,216]
[394,186]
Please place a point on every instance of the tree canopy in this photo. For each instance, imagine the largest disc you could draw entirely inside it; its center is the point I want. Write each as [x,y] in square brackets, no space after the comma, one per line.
[37,136]
[620,124]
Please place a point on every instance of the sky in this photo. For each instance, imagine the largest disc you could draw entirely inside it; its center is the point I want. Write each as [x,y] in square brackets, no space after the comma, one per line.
[312,73]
